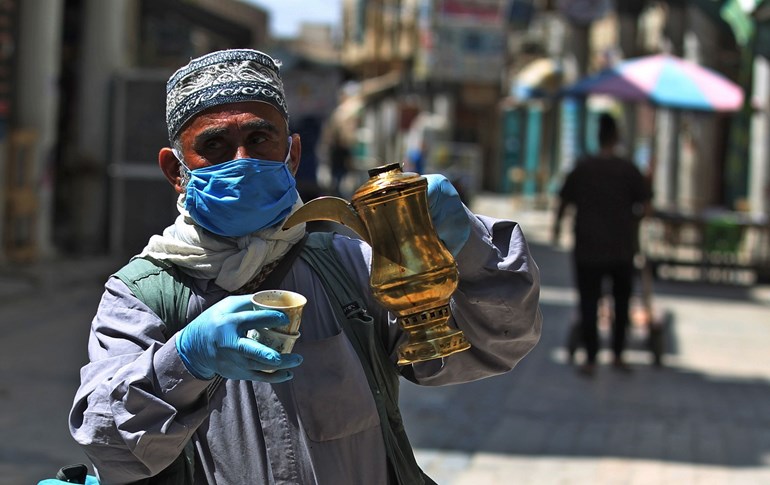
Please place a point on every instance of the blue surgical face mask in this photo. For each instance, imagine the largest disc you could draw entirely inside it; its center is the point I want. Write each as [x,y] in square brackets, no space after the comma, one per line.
[241,196]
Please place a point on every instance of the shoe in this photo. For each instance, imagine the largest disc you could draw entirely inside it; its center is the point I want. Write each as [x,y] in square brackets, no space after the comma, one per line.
[587,370]
[620,364]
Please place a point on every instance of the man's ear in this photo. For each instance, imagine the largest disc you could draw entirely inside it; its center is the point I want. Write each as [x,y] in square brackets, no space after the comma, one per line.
[169,164]
[295,153]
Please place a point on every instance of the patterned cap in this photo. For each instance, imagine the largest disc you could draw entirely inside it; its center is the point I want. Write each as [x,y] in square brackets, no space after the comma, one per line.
[222,77]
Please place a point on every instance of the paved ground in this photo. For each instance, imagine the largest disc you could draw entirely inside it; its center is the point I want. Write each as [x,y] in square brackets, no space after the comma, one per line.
[702,418]
[45,329]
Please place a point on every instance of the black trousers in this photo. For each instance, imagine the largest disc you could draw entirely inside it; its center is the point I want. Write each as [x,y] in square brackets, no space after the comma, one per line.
[589,279]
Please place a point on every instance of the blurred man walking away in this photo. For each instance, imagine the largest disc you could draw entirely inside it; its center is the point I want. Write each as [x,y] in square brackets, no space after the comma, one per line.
[609,195]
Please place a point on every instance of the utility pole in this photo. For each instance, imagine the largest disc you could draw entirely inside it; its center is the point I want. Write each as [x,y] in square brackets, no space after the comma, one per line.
[669,121]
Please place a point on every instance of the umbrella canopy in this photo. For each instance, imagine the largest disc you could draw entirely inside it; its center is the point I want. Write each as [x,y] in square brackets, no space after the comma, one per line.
[665,81]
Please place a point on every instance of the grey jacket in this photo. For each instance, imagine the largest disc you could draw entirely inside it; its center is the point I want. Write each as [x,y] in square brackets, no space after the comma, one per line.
[137,404]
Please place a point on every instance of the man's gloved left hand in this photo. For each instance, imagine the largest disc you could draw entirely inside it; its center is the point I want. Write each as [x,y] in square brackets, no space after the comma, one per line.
[448,213]
[90,480]
[76,473]
[215,342]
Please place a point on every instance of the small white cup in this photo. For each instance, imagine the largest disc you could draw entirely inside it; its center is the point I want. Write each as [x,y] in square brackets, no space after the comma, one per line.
[281,339]
[286,302]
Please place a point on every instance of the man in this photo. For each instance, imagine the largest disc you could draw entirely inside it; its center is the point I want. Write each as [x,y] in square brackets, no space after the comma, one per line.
[609,195]
[253,415]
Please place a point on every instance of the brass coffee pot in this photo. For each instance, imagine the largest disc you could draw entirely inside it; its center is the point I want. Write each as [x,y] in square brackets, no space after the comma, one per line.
[413,274]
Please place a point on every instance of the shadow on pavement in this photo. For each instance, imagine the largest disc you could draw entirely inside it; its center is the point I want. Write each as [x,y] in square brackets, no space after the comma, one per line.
[545,408]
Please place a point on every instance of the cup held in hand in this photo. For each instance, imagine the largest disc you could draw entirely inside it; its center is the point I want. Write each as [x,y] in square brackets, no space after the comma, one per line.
[287,302]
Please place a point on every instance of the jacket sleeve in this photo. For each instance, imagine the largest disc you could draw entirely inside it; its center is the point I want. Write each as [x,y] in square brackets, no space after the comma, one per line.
[496,305]
[137,405]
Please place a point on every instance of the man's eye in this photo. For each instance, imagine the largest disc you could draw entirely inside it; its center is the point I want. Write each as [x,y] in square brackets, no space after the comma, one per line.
[213,145]
[256,139]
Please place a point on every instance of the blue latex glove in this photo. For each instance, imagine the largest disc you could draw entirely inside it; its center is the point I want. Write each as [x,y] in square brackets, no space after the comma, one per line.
[448,214]
[216,343]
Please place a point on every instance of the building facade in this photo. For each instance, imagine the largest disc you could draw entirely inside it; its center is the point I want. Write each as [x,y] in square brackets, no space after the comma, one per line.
[458,63]
[82,115]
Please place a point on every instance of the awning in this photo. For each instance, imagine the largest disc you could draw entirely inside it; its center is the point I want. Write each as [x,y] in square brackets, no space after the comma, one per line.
[541,77]
[364,93]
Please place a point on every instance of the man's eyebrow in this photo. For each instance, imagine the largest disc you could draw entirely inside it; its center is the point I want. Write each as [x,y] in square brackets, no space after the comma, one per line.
[210,133]
[248,125]
[261,125]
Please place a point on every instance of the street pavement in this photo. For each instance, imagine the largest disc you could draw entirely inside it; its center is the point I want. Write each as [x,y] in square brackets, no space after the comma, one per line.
[703,417]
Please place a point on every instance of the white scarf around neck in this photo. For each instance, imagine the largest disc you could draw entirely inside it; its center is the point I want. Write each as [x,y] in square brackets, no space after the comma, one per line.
[230,261]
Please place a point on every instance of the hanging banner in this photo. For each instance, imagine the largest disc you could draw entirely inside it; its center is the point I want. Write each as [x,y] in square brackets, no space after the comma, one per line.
[8,22]
[478,11]
[468,53]
[464,41]
[583,12]
[737,165]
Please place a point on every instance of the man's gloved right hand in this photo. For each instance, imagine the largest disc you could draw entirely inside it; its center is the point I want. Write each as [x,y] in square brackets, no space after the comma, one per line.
[215,343]
[448,213]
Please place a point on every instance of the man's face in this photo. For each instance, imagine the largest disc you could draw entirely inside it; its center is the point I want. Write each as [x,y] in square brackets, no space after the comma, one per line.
[227,132]
[238,130]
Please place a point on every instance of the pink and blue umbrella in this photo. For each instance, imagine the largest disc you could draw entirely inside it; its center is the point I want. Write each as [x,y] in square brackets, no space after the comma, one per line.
[664,81]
